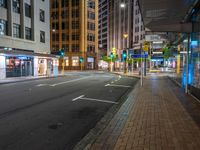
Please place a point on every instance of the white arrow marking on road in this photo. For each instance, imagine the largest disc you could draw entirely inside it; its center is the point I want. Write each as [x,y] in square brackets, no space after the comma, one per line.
[116,85]
[92,99]
[69,81]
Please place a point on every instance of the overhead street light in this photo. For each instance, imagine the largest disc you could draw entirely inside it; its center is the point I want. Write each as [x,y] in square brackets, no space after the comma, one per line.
[122,5]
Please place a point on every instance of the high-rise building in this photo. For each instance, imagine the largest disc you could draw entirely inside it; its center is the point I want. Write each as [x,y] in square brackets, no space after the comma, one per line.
[24,38]
[74,30]
[103,27]
[120,25]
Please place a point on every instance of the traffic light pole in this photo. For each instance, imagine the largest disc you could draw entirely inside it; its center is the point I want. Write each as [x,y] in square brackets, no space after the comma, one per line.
[141,70]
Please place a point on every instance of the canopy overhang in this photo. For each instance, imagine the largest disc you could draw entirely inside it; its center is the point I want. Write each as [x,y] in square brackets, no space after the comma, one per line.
[166,15]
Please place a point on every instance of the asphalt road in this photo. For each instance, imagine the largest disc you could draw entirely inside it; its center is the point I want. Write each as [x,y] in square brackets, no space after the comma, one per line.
[56,113]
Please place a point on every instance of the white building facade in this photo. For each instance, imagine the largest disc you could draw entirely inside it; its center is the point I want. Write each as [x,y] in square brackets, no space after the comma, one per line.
[25,39]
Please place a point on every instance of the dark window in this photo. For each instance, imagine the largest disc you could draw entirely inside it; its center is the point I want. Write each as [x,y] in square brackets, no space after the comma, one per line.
[54,15]
[91,15]
[91,4]
[65,25]
[3,27]
[75,2]
[91,26]
[55,37]
[16,30]
[75,48]
[75,13]
[42,36]
[16,6]
[90,48]
[65,37]
[42,15]
[65,14]
[75,24]
[54,4]
[27,10]
[65,3]
[65,47]
[55,26]
[28,33]
[91,37]
[75,37]
[3,3]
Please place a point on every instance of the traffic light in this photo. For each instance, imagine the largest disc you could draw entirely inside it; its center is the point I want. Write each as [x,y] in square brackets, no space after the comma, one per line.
[124,55]
[81,59]
[61,53]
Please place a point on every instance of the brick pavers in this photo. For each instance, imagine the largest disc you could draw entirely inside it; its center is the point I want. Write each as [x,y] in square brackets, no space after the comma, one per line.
[151,119]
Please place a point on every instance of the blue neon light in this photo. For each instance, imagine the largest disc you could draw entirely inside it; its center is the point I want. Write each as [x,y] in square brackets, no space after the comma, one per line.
[194,44]
[190,75]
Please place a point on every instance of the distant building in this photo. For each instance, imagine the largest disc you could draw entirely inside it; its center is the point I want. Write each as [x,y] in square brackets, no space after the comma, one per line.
[74,30]
[103,27]
[25,38]
[120,25]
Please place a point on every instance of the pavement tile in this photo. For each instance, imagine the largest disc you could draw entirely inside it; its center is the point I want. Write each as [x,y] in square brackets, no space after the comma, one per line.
[154,119]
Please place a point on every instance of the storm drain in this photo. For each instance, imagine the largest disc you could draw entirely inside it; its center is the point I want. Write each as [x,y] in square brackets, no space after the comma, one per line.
[55,126]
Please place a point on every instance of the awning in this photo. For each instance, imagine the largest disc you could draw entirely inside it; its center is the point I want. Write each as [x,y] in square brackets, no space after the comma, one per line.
[166,15]
[26,53]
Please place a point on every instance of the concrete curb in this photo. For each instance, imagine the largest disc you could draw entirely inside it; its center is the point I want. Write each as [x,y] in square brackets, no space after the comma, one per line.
[91,137]
[134,76]
[31,79]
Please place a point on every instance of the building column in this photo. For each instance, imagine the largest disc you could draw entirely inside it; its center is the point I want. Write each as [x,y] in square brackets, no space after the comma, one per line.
[22,20]
[35,65]
[32,20]
[9,16]
[2,67]
[178,60]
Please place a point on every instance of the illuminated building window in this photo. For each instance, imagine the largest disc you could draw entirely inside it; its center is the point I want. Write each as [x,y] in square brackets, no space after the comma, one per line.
[75,61]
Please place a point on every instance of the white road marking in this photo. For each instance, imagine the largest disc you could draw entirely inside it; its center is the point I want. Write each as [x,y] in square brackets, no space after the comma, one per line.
[78,98]
[69,81]
[39,85]
[93,99]
[116,85]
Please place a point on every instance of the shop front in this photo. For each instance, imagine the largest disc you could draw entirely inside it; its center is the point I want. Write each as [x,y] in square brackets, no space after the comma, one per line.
[19,66]
[24,64]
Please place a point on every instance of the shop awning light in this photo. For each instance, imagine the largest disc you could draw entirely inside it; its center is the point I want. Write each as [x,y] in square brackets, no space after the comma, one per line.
[157,52]
[157,42]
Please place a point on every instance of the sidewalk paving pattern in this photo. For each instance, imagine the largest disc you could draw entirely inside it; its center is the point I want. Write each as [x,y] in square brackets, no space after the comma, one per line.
[153,118]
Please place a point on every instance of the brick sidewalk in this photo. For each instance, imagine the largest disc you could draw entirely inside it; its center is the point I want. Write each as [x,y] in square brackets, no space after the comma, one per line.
[153,118]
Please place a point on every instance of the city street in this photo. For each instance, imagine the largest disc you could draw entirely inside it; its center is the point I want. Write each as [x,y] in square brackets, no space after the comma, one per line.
[56,113]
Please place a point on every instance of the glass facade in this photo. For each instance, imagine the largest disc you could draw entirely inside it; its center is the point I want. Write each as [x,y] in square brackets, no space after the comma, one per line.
[195,55]
[19,66]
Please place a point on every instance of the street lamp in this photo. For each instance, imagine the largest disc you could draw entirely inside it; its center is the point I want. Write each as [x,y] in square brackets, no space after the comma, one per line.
[122,5]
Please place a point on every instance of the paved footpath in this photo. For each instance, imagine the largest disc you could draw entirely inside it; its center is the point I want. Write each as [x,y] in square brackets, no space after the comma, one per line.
[155,117]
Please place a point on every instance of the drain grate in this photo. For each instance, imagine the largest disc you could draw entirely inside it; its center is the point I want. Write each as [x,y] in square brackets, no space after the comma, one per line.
[55,126]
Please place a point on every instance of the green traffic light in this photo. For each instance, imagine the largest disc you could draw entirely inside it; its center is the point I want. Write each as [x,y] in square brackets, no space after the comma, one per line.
[81,59]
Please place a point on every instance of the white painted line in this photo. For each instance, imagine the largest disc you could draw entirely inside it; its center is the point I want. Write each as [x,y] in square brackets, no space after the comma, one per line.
[92,99]
[39,85]
[116,85]
[78,98]
[98,100]
[69,81]
[107,84]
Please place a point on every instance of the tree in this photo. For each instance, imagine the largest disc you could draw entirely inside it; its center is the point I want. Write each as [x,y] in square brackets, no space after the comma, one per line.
[166,53]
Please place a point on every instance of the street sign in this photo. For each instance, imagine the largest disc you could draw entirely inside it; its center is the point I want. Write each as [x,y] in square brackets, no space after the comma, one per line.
[139,56]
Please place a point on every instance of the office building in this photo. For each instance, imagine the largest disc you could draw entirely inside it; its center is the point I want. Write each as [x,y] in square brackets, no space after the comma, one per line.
[74,30]
[25,38]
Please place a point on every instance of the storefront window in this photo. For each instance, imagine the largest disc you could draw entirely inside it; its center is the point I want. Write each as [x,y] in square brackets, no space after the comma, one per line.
[19,66]
[75,61]
[67,61]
